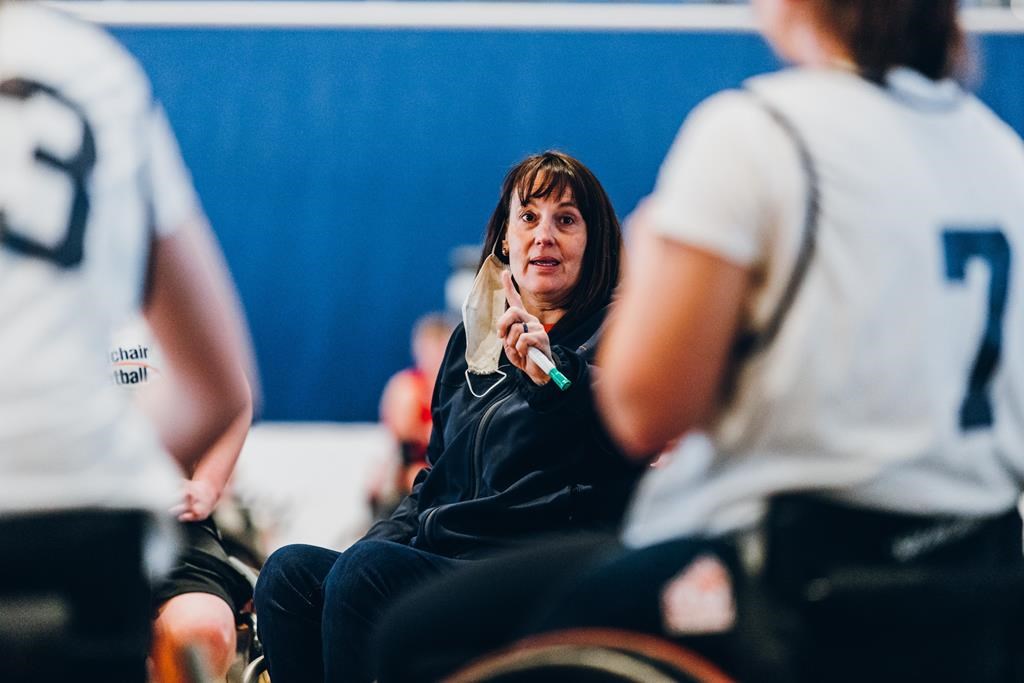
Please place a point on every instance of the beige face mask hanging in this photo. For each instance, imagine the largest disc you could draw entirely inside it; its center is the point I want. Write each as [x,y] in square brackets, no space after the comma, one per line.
[480,312]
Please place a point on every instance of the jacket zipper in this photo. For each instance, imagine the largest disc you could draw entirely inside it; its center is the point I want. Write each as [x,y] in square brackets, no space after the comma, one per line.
[479,441]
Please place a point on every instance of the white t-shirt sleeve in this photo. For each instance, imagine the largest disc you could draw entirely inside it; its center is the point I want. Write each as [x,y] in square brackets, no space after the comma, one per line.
[173,200]
[714,189]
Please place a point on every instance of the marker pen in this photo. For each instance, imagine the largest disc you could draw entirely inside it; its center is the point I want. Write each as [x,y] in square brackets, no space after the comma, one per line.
[545,364]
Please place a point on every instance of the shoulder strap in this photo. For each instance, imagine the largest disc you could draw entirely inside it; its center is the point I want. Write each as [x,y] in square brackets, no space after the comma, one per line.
[754,341]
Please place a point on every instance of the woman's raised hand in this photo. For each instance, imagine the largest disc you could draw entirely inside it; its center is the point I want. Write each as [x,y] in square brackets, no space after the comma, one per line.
[519,330]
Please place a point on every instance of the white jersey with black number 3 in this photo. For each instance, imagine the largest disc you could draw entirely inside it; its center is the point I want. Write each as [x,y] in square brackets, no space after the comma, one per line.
[88,170]
[896,379]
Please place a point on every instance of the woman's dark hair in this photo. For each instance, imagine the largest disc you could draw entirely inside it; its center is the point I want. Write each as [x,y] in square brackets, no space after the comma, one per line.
[881,34]
[552,173]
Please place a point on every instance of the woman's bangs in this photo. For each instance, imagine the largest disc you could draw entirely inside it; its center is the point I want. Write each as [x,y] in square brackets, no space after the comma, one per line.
[539,182]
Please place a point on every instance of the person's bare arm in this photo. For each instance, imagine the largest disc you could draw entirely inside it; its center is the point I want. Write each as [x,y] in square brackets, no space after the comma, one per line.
[192,310]
[668,341]
[203,490]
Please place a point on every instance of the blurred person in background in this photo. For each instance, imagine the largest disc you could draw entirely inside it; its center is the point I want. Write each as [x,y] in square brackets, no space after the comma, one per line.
[824,280]
[512,457]
[405,403]
[97,219]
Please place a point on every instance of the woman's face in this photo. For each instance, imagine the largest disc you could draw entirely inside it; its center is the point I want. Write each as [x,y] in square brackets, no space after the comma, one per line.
[546,239]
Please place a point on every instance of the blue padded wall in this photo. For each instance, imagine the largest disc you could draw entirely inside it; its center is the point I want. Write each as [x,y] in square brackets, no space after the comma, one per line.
[339,167]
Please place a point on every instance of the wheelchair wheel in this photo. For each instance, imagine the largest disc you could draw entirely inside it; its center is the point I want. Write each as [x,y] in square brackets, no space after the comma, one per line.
[256,672]
[592,656]
[247,644]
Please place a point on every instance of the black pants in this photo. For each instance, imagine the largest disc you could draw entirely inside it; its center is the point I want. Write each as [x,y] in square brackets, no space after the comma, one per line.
[74,601]
[582,582]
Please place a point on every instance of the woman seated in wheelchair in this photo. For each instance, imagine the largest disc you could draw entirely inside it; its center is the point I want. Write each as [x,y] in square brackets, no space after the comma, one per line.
[515,452]
[822,280]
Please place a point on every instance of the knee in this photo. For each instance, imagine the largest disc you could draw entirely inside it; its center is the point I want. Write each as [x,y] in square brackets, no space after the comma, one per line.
[359,573]
[202,621]
[281,574]
[368,551]
[216,638]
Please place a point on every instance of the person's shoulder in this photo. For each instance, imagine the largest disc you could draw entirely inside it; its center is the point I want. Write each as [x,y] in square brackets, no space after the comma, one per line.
[1004,137]
[46,25]
[744,102]
[48,35]
[729,111]
[738,121]
[731,119]
[812,91]
[731,124]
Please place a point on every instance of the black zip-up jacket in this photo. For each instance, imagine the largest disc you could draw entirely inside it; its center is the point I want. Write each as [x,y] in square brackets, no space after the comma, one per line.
[519,462]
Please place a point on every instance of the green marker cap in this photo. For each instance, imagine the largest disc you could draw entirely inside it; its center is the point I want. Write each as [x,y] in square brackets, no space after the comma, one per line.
[561,380]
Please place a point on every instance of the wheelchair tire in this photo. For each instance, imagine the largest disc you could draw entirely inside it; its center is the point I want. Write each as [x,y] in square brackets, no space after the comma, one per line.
[591,656]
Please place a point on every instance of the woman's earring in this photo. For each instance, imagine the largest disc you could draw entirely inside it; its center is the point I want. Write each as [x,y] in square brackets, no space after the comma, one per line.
[504,248]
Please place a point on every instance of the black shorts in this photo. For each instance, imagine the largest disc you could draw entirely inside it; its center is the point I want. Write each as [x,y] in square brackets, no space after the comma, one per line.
[203,567]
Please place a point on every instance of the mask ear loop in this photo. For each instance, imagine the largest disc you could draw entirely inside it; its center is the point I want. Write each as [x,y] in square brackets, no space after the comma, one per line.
[502,373]
[488,390]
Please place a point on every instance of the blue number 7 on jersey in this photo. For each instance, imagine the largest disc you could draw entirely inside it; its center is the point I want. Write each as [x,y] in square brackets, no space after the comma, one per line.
[992,247]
